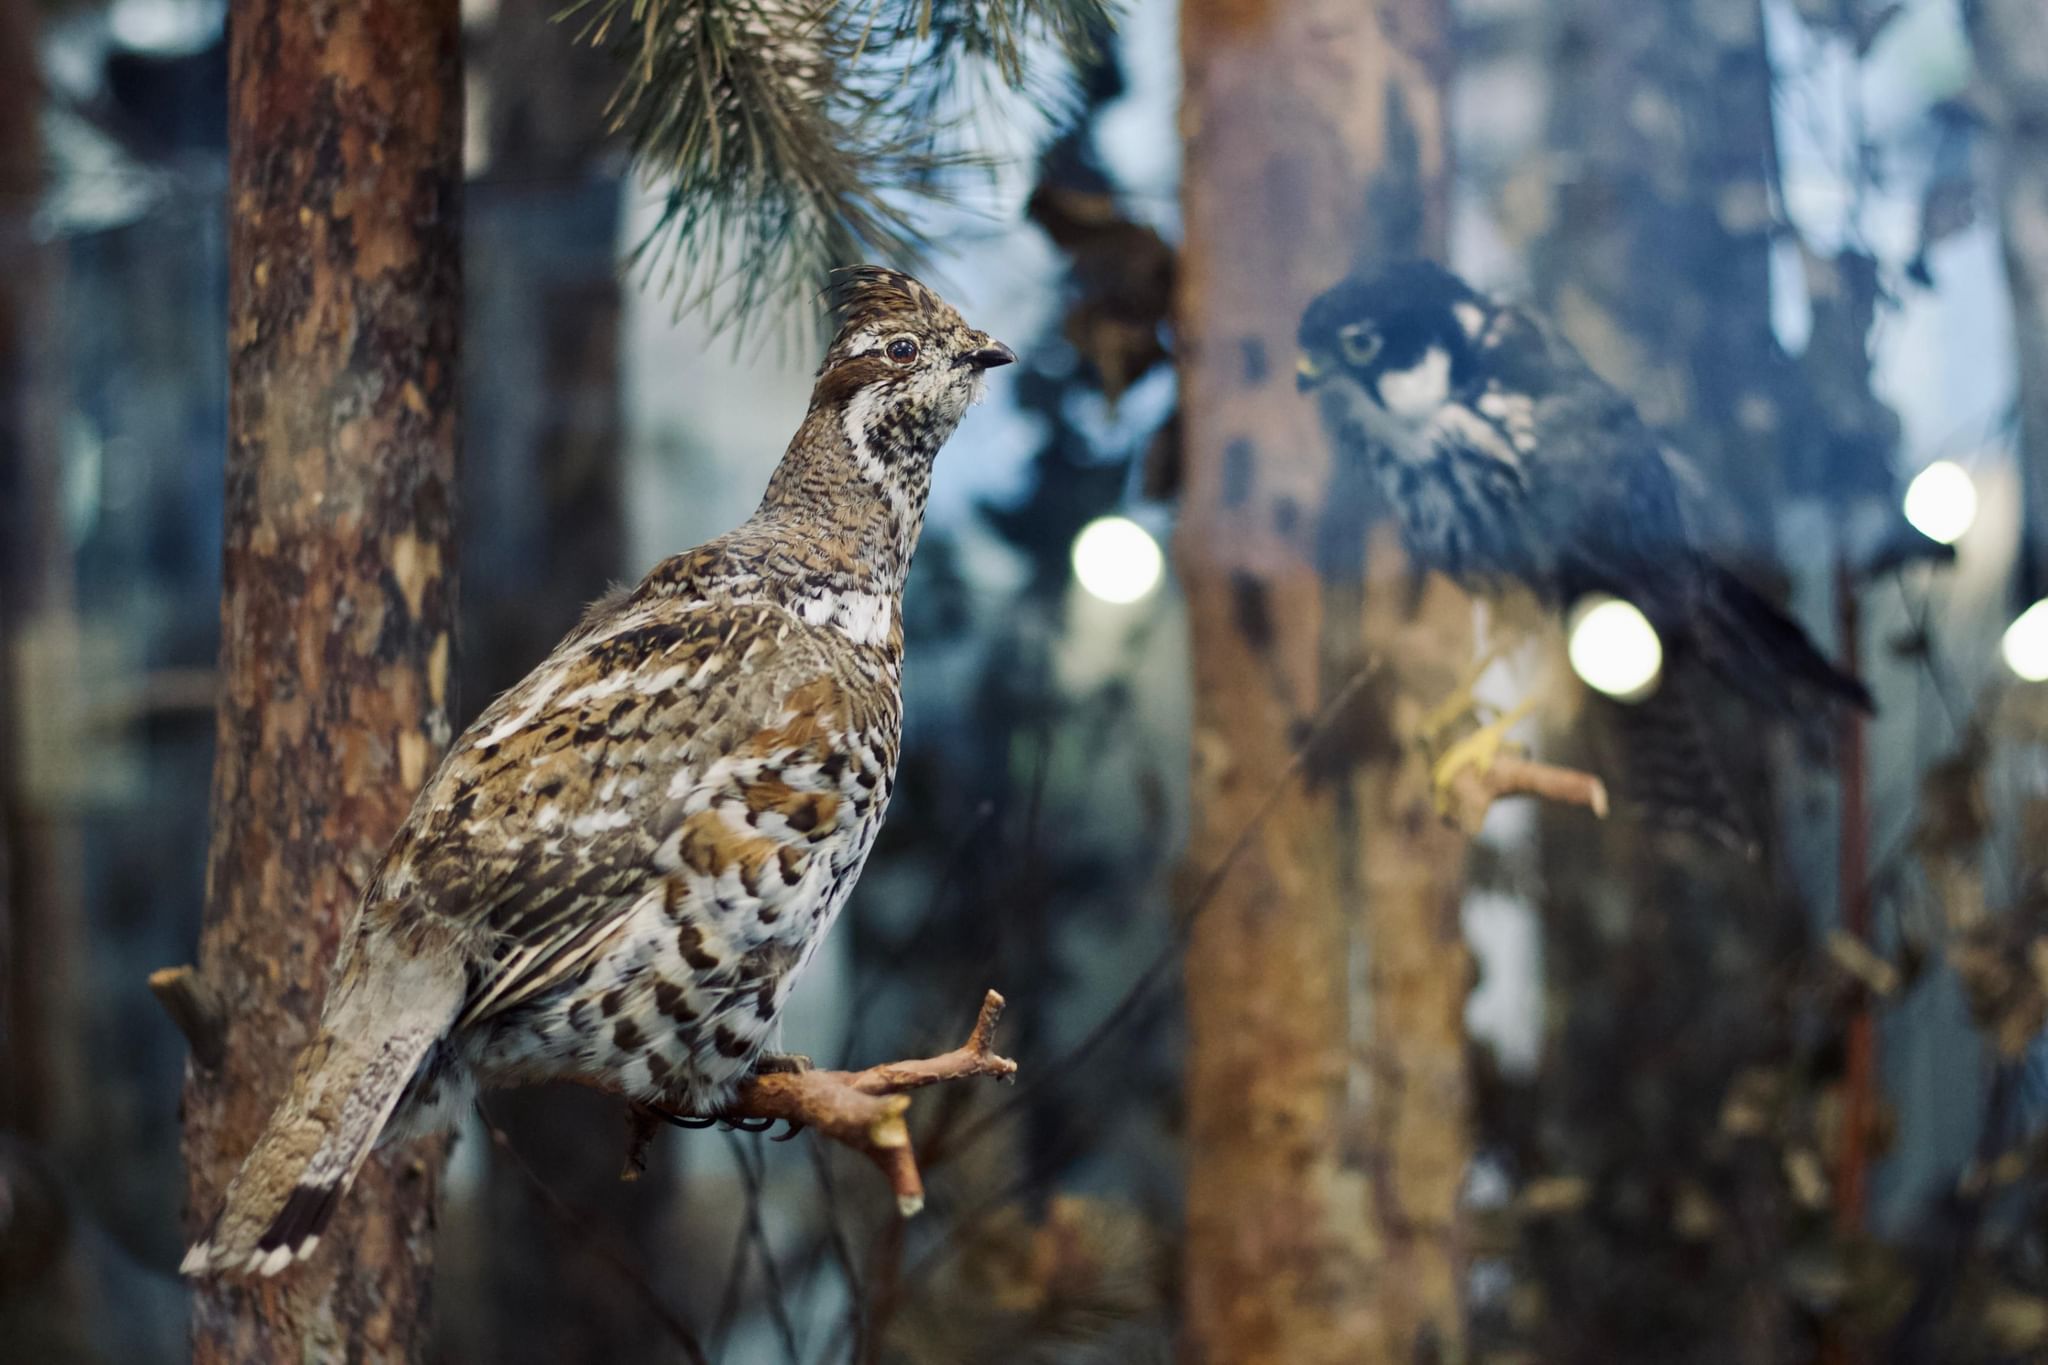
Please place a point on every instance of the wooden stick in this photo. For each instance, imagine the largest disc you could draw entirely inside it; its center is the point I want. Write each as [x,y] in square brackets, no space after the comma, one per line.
[1473,792]
[863,1110]
[194,1008]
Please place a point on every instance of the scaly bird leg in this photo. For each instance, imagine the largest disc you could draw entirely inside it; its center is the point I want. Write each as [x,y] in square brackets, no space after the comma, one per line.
[1476,750]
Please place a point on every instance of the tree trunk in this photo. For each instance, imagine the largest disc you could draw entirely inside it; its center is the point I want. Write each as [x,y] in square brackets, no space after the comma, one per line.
[1326,981]
[2012,62]
[338,600]
[42,1083]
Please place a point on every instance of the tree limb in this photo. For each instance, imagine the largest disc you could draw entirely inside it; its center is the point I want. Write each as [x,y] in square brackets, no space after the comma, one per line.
[1473,792]
[862,1109]
[195,1009]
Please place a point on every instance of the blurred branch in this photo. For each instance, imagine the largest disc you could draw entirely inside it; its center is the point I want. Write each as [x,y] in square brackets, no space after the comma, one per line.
[628,1272]
[862,1109]
[1473,792]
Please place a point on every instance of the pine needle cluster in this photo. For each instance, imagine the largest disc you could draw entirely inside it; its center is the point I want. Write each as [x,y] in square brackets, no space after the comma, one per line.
[794,136]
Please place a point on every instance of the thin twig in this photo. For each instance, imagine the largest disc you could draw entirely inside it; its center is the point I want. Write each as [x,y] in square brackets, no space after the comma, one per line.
[842,1250]
[580,1226]
[752,1163]
[1211,885]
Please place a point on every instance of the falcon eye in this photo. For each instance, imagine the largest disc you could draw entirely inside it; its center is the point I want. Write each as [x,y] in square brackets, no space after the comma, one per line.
[902,350]
[1360,343]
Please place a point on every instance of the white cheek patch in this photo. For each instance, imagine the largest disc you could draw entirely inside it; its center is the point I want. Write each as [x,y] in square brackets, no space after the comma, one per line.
[860,411]
[1413,395]
[1470,316]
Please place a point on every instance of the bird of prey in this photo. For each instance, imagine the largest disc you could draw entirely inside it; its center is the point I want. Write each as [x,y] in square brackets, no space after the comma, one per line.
[1506,460]
[616,873]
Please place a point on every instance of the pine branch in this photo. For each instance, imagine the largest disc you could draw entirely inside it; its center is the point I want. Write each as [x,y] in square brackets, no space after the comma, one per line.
[795,136]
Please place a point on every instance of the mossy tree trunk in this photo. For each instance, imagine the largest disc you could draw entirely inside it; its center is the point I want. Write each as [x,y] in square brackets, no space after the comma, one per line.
[338,601]
[1326,982]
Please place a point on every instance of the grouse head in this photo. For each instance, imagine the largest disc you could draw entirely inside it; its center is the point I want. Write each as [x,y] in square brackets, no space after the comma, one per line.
[903,367]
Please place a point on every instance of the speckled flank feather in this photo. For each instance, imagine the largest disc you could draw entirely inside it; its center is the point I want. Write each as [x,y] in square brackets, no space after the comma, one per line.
[618,871]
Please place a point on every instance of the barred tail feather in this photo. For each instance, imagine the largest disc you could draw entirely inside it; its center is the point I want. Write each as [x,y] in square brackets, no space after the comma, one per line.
[1669,773]
[346,1086]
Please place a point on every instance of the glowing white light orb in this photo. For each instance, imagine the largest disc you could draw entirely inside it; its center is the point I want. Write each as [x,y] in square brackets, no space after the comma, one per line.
[2026,643]
[1117,560]
[1941,502]
[1614,648]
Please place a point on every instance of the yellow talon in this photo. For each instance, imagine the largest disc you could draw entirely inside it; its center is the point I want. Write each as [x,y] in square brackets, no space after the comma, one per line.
[1445,715]
[1476,750]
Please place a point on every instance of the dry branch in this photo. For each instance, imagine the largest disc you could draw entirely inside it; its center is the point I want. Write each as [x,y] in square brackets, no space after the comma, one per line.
[195,1009]
[862,1109]
[1473,792]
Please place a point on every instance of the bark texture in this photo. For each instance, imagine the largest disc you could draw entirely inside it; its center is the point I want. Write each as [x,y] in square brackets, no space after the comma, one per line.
[338,600]
[1326,981]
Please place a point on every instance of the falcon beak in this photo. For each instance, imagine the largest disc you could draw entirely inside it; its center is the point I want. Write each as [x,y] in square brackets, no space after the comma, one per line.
[989,356]
[1307,374]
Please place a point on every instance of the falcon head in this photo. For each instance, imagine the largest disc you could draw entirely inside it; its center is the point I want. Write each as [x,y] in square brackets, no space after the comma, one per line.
[903,367]
[1389,352]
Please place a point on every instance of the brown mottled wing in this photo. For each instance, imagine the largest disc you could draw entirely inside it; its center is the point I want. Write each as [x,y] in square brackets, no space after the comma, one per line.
[700,757]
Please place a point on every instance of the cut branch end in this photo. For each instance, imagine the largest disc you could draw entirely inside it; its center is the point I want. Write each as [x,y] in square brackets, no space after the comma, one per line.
[195,1009]
[1473,792]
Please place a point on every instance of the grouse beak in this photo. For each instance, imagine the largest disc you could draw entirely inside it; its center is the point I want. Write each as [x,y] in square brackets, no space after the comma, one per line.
[989,356]
[1307,374]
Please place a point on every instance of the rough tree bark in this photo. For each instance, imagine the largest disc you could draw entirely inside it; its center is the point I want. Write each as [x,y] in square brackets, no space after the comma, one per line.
[1326,982]
[338,600]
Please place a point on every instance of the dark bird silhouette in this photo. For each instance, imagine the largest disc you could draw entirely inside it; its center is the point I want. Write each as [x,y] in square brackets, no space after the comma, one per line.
[1506,460]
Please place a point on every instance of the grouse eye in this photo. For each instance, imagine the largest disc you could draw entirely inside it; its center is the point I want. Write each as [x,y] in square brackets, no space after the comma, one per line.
[1360,343]
[902,350]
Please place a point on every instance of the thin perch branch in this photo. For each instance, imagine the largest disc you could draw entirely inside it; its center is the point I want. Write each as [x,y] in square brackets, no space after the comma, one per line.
[1473,792]
[862,1109]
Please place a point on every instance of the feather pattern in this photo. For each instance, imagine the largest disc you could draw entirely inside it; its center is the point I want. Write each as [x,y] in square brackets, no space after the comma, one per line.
[1505,458]
[618,870]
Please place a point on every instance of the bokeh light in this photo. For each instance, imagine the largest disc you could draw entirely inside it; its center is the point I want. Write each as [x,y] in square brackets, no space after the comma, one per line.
[2026,643]
[1614,648]
[1117,560]
[1941,502]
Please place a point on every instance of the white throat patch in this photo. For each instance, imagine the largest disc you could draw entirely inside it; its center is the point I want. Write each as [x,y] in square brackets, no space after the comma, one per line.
[1415,394]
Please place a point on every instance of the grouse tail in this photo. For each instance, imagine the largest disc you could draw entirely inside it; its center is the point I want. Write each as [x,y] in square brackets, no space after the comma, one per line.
[345,1087]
